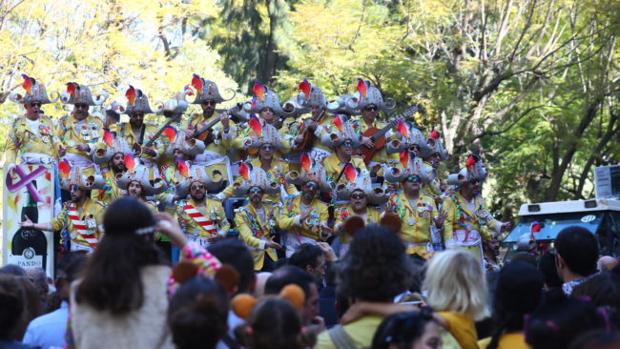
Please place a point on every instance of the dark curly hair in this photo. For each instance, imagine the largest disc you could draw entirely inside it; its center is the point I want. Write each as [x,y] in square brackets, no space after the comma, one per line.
[275,324]
[112,279]
[198,314]
[376,267]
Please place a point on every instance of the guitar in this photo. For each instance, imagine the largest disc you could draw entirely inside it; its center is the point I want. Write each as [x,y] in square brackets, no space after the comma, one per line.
[308,134]
[152,140]
[202,134]
[378,135]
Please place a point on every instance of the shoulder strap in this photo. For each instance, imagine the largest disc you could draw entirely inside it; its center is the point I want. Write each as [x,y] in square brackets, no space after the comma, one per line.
[341,338]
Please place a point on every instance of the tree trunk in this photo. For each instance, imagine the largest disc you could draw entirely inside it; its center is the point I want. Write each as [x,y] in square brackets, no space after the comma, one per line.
[559,170]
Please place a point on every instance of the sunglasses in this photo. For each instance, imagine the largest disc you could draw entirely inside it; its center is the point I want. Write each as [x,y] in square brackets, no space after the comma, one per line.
[209,103]
[81,106]
[358,196]
[255,190]
[267,147]
[35,105]
[371,108]
[413,178]
[197,187]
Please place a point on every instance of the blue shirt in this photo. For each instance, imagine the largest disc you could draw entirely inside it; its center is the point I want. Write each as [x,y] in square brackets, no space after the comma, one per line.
[48,331]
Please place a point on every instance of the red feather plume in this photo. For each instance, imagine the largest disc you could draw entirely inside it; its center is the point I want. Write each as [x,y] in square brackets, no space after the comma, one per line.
[182,168]
[259,90]
[171,133]
[27,84]
[471,161]
[402,128]
[350,172]
[130,94]
[197,83]
[130,163]
[64,168]
[404,158]
[338,123]
[244,171]
[108,137]
[305,162]
[72,88]
[255,125]
[305,87]
[434,134]
[362,87]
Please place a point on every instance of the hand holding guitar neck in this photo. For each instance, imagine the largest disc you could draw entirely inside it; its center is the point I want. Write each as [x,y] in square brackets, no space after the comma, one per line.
[209,125]
[376,136]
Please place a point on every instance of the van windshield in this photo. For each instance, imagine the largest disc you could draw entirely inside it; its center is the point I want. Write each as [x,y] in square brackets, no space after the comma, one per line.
[552,224]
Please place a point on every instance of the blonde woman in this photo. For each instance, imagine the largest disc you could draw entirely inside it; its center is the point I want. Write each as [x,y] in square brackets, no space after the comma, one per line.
[456,288]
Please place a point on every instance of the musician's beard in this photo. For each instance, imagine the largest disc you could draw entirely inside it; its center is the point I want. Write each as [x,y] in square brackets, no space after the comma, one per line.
[198,198]
[256,199]
[136,123]
[118,167]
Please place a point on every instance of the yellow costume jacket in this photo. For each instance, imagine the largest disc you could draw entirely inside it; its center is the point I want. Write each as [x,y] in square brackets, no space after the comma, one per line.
[416,221]
[222,141]
[210,223]
[127,133]
[71,133]
[333,167]
[254,232]
[32,137]
[90,215]
[463,218]
[289,218]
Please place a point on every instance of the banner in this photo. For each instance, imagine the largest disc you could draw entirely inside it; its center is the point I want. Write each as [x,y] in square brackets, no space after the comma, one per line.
[28,192]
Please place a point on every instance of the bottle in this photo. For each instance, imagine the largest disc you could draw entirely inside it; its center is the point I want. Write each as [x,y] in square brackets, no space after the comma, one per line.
[29,242]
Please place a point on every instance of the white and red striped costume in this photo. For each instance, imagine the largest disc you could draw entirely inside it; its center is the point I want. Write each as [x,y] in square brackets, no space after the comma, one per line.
[88,235]
[209,226]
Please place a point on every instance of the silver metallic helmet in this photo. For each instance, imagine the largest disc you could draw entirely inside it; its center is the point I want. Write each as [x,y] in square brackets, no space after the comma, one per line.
[35,92]
[80,94]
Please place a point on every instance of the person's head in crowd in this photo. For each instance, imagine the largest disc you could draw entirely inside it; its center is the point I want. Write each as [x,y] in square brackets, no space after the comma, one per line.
[606,263]
[518,293]
[69,269]
[555,325]
[576,253]
[12,269]
[112,277]
[409,330]
[290,274]
[32,304]
[198,314]
[311,258]
[235,253]
[524,257]
[261,280]
[376,268]
[602,290]
[598,339]
[274,324]
[546,265]
[454,282]
[12,308]
[38,278]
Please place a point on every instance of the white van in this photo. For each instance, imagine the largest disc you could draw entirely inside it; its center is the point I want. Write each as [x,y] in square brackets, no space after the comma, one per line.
[599,216]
